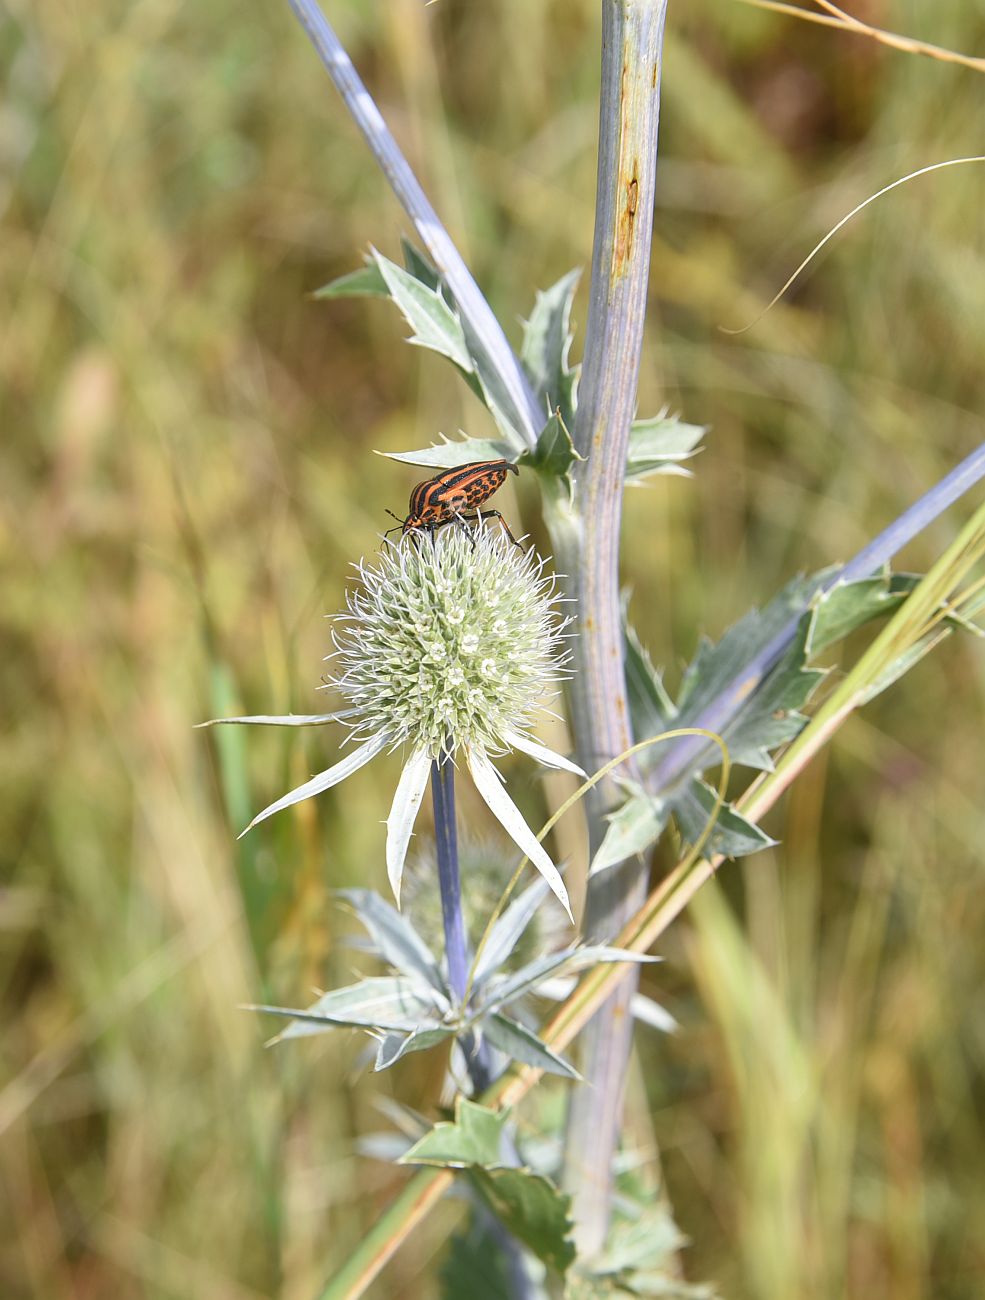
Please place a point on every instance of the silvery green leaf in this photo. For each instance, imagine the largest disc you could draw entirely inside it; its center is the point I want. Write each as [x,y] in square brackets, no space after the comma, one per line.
[395,938]
[587,955]
[643,1008]
[475,1137]
[421,268]
[403,813]
[767,717]
[367,282]
[448,454]
[516,740]
[546,344]
[376,1002]
[506,933]
[771,716]
[485,380]
[650,707]
[848,605]
[648,1012]
[395,1046]
[717,664]
[385,1147]
[435,324]
[533,1209]
[488,783]
[324,780]
[554,454]
[904,662]
[734,836]
[649,1239]
[522,1044]
[657,446]
[634,828]
[281,720]
[567,960]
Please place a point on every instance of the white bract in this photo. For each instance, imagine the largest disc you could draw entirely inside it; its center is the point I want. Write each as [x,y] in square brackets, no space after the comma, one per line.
[450,643]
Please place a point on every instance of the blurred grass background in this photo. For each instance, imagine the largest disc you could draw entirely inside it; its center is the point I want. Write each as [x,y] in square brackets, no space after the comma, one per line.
[186,472]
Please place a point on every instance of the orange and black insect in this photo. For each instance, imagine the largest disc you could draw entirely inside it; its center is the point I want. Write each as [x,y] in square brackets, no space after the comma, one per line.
[454,496]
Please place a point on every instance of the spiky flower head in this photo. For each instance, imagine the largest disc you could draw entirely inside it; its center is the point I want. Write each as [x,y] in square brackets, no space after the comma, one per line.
[450,643]
[450,640]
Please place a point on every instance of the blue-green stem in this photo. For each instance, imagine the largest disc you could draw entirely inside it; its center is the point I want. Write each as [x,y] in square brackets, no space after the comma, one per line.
[486,337]
[452,917]
[632,48]
[446,847]
[456,953]
[683,756]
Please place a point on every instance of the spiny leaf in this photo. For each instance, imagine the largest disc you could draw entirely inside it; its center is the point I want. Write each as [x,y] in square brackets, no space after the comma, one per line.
[716,664]
[848,605]
[546,343]
[768,717]
[565,960]
[508,930]
[447,453]
[533,1209]
[436,325]
[521,1044]
[366,282]
[633,828]
[474,1137]
[395,1046]
[734,836]
[429,308]
[421,268]
[395,938]
[377,1002]
[651,708]
[554,454]
[658,445]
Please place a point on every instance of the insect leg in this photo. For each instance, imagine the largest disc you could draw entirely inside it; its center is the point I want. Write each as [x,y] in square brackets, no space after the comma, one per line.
[503,524]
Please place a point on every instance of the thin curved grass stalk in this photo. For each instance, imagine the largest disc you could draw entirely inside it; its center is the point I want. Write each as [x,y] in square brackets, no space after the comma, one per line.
[632,51]
[841,21]
[666,902]
[839,225]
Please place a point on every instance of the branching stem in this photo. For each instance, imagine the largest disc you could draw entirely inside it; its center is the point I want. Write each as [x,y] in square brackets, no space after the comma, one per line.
[632,46]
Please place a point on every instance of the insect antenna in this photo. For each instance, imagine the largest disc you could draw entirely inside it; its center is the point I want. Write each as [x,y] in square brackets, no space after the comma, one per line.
[399,521]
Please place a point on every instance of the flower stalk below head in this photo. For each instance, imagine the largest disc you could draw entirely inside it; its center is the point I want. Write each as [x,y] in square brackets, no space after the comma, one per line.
[446,851]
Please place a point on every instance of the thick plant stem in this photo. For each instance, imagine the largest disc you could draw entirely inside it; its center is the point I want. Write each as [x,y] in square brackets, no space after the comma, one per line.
[632,42]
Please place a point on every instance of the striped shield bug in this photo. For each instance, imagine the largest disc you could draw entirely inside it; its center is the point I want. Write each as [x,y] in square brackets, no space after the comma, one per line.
[454,496]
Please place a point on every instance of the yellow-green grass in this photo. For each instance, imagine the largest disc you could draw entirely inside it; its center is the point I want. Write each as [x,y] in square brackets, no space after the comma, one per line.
[186,471]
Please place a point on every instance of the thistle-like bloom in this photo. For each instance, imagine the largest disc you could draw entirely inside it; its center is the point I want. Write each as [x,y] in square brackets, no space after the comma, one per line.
[450,644]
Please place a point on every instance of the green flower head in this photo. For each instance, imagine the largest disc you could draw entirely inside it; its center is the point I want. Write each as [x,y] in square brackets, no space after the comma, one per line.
[451,644]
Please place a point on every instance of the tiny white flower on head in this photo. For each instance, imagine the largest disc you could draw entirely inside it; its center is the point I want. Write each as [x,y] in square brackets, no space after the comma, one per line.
[450,643]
